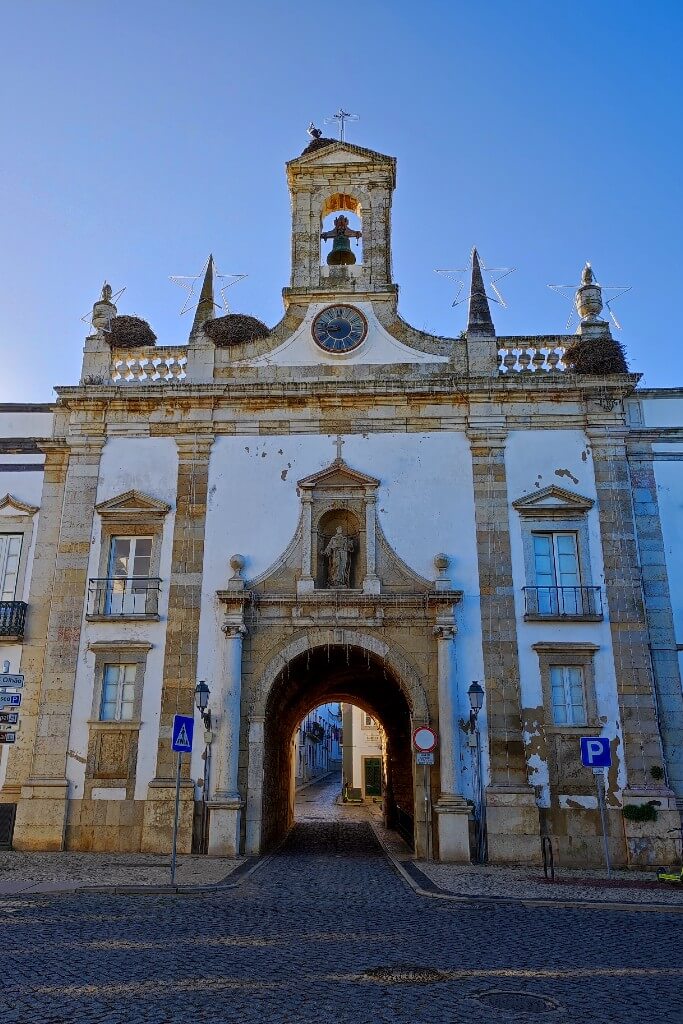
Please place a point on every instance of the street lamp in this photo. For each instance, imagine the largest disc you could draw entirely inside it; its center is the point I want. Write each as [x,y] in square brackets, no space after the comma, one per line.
[201,699]
[475,694]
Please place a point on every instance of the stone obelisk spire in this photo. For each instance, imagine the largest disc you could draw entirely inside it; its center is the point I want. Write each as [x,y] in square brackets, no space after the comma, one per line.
[206,305]
[479,316]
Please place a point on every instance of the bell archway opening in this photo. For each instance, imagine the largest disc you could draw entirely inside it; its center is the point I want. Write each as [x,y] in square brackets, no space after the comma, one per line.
[354,676]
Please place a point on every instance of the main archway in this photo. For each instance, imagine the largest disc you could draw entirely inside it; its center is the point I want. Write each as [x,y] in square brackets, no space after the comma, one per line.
[358,670]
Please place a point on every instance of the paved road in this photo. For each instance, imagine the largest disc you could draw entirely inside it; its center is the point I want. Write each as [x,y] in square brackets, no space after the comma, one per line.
[294,941]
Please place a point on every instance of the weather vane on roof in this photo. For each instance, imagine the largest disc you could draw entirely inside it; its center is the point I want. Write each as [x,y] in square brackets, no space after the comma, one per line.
[190,282]
[588,294]
[460,278]
[342,116]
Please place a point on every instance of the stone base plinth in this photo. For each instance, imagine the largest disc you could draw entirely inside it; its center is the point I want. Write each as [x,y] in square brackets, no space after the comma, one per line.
[454,832]
[157,824]
[41,815]
[653,843]
[224,825]
[512,825]
[105,826]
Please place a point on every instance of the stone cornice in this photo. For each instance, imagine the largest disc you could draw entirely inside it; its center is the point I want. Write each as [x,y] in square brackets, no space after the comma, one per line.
[278,384]
[342,598]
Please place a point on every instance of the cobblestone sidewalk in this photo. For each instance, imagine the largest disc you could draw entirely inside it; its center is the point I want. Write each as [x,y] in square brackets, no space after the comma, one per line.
[24,873]
[472,880]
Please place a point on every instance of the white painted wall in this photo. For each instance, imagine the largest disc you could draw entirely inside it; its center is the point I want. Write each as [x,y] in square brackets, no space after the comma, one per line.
[18,422]
[425,505]
[378,347]
[148,465]
[365,743]
[536,459]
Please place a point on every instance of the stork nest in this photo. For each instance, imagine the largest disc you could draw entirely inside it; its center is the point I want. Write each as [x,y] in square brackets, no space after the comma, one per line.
[130,332]
[318,144]
[235,329]
[599,357]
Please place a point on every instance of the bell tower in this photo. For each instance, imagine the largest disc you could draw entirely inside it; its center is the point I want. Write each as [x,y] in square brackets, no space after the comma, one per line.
[337,177]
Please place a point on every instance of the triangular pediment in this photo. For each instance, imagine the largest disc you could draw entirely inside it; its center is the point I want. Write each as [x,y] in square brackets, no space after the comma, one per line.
[551,501]
[340,153]
[133,504]
[11,506]
[336,475]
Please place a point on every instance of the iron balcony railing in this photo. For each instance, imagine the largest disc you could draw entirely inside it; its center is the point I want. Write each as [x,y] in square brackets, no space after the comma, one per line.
[12,618]
[563,602]
[122,596]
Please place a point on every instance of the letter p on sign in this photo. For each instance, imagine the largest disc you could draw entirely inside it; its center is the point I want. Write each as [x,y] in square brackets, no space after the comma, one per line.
[595,752]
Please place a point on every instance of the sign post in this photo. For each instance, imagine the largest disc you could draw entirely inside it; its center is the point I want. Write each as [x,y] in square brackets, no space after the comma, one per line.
[9,720]
[183,729]
[424,744]
[596,754]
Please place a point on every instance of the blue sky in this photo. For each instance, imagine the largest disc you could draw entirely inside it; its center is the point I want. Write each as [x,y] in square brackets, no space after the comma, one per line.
[138,137]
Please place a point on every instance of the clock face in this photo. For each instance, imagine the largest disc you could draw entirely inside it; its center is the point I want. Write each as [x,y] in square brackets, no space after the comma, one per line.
[339,328]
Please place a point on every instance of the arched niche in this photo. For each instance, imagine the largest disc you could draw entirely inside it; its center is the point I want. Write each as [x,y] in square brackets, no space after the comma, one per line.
[351,526]
[351,207]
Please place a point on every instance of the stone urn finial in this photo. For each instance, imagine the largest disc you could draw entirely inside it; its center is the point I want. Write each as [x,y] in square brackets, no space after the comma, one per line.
[237,563]
[588,297]
[441,563]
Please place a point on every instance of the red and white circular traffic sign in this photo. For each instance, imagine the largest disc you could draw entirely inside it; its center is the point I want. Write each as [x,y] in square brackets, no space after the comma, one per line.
[424,739]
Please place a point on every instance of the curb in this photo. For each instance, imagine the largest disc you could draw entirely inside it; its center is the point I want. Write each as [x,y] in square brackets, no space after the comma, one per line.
[231,881]
[424,886]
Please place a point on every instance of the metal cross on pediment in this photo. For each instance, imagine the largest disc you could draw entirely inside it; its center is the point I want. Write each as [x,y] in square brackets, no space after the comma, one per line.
[341,117]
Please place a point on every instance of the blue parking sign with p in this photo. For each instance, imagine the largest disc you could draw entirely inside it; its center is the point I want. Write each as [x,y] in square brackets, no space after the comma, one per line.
[183,728]
[595,752]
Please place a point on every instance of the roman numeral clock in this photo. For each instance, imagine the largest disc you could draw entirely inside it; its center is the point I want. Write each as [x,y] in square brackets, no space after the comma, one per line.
[339,328]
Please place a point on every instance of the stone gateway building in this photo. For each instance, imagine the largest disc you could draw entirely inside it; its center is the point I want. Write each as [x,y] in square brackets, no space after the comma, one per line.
[344,508]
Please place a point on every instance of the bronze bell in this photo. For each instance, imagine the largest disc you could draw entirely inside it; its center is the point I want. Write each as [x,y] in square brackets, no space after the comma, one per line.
[341,235]
[340,254]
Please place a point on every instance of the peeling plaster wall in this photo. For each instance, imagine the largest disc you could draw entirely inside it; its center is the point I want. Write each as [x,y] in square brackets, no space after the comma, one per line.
[534,460]
[148,465]
[425,505]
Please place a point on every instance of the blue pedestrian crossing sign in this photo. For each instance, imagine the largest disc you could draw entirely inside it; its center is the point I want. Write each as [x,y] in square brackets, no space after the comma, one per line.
[183,728]
[595,752]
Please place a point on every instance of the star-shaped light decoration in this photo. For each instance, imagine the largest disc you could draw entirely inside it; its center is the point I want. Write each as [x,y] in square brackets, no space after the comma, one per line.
[461,277]
[193,286]
[615,291]
[87,318]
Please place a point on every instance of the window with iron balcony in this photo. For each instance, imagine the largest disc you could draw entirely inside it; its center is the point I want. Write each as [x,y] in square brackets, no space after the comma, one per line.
[128,590]
[559,591]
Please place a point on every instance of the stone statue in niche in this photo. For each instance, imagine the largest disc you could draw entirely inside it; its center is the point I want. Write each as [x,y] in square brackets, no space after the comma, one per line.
[338,554]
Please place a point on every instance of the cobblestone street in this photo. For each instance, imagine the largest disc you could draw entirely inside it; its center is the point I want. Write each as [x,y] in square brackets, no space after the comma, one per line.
[295,940]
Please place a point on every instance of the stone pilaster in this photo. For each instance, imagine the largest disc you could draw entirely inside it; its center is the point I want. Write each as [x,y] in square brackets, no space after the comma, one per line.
[225,801]
[642,744]
[182,638]
[58,590]
[452,809]
[511,811]
[664,654]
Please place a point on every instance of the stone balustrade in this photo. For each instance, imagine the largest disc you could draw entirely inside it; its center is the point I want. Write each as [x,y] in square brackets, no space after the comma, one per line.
[162,364]
[544,355]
